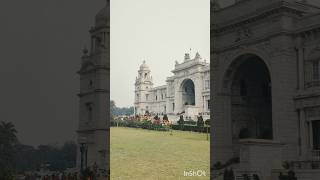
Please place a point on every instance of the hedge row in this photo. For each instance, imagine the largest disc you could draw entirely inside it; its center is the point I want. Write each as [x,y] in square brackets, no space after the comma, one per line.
[152,126]
[140,124]
[190,128]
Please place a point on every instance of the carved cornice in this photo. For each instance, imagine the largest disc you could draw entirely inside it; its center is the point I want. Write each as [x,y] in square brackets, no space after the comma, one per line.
[273,9]
[252,41]
[93,92]
[307,99]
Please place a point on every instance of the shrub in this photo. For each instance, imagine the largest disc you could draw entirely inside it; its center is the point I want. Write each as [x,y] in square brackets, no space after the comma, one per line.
[207,122]
[190,128]
[190,122]
[200,121]
[181,120]
[145,124]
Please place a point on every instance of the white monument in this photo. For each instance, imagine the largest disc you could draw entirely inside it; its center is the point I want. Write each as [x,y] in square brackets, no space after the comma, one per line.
[186,92]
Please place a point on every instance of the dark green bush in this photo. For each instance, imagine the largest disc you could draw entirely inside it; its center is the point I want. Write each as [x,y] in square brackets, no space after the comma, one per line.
[190,122]
[190,128]
[145,124]
[207,122]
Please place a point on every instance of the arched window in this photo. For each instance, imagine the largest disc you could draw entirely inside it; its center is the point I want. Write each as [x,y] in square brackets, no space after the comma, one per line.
[243,88]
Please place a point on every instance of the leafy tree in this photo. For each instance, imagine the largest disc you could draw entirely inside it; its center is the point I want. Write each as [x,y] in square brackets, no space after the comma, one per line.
[8,139]
[112,108]
[117,111]
[52,157]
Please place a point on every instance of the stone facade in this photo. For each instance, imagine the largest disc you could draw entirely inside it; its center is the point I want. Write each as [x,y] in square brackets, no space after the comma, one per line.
[265,62]
[93,130]
[187,91]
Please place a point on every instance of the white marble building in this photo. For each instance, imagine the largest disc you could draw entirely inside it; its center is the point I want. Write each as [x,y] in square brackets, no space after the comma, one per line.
[265,63]
[187,91]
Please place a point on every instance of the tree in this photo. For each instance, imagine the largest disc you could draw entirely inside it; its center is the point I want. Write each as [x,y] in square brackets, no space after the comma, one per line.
[181,122]
[200,123]
[117,111]
[8,139]
[112,108]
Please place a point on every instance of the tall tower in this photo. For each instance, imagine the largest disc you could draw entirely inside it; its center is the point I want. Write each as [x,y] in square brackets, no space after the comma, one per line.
[142,86]
[94,98]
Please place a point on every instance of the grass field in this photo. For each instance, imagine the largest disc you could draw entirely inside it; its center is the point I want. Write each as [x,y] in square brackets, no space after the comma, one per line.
[138,154]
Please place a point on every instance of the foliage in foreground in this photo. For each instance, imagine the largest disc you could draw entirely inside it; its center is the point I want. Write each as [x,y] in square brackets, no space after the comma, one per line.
[8,139]
[51,157]
[16,157]
[145,124]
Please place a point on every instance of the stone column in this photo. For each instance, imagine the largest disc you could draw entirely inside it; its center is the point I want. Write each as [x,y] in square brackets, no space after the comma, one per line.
[303,135]
[198,90]
[221,134]
[178,98]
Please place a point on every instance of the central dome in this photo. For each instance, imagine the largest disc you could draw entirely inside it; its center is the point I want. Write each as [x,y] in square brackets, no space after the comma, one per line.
[144,66]
[103,16]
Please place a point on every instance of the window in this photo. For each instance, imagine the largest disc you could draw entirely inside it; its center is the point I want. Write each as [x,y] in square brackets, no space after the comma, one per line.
[145,75]
[161,96]
[172,106]
[89,111]
[207,84]
[316,70]
[147,97]
[208,105]
[156,98]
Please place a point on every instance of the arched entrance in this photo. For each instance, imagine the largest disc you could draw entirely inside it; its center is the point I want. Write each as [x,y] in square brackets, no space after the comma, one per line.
[249,85]
[188,93]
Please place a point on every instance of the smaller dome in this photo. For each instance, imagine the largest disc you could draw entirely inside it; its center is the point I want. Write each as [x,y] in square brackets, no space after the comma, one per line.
[144,66]
[103,16]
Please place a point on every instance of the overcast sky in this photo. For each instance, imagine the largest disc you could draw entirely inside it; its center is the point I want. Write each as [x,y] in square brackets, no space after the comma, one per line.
[41,45]
[159,32]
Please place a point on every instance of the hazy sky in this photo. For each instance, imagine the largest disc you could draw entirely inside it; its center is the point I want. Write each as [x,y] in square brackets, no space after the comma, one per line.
[159,32]
[41,45]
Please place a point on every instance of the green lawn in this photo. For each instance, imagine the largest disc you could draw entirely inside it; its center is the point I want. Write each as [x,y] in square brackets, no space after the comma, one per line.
[138,154]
